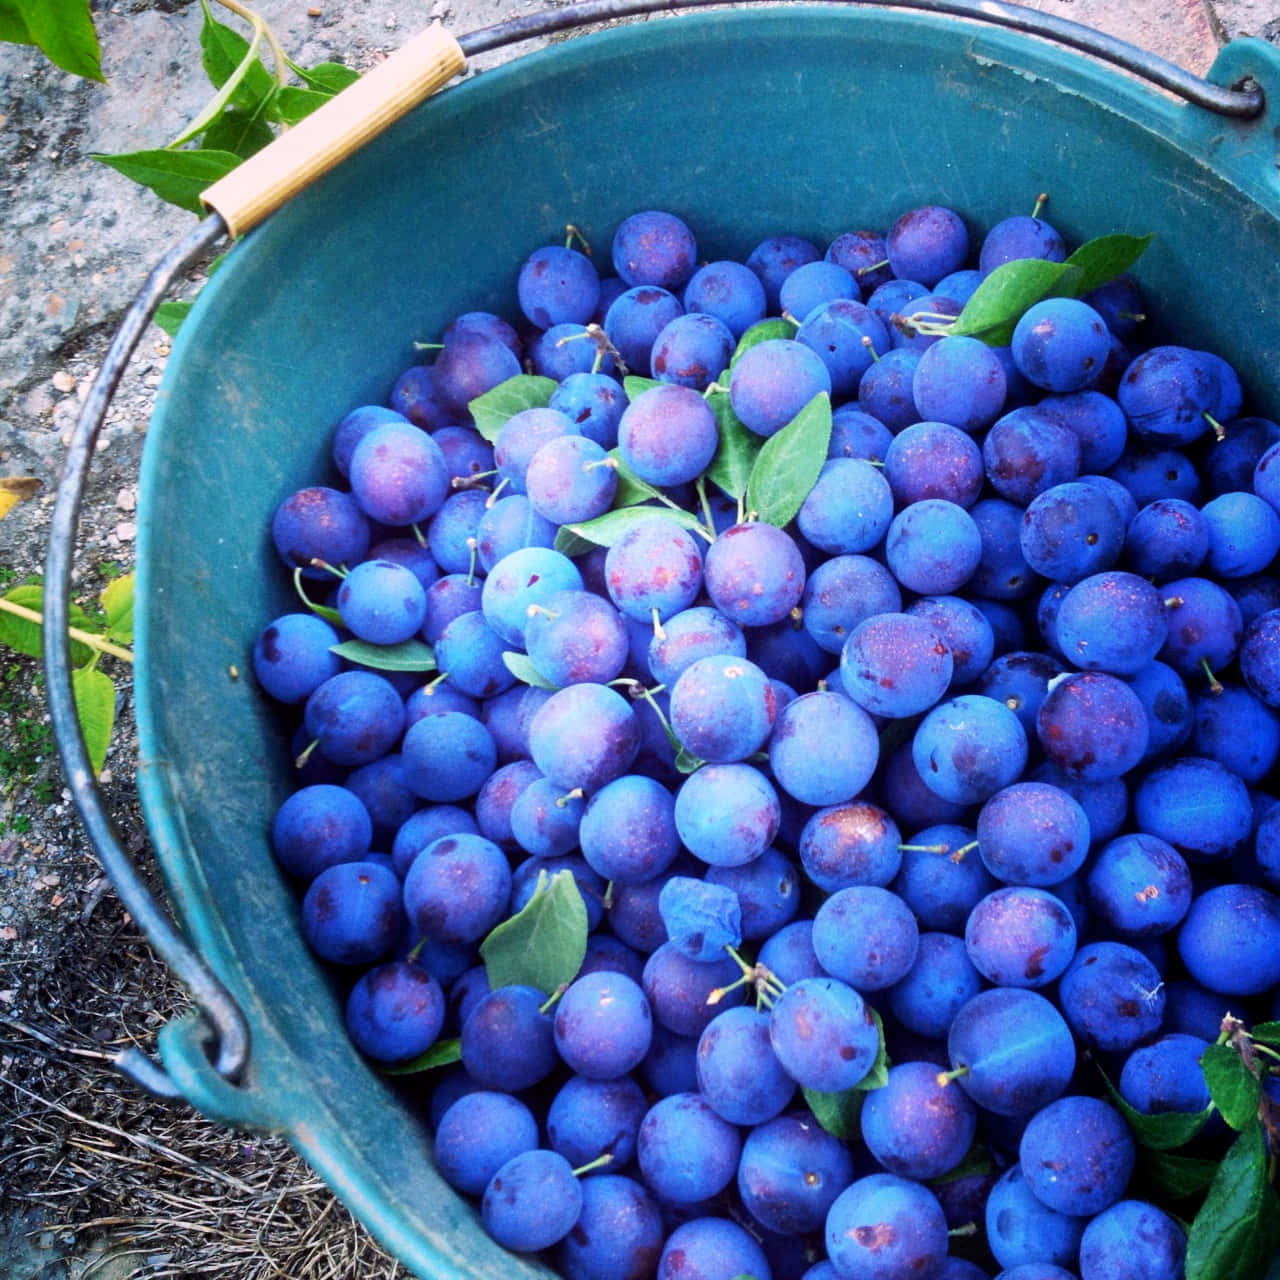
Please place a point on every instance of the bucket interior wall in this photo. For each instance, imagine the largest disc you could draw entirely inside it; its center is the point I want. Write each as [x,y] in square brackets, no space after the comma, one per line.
[747,124]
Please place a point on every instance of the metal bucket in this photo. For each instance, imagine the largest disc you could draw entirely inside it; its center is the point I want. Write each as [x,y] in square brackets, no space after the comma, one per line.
[806,119]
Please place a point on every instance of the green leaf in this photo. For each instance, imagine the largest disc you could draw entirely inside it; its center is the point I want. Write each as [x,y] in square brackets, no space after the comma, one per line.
[1160,1132]
[408,655]
[837,1113]
[524,391]
[1266,1033]
[1237,1231]
[170,315]
[61,29]
[1235,1090]
[568,543]
[117,604]
[239,132]
[95,698]
[544,943]
[999,301]
[736,454]
[636,386]
[177,177]
[1170,1176]
[521,666]
[24,636]
[760,332]
[607,529]
[686,761]
[789,462]
[327,77]
[441,1054]
[631,490]
[977,1160]
[223,50]
[878,1074]
[291,104]
[1103,259]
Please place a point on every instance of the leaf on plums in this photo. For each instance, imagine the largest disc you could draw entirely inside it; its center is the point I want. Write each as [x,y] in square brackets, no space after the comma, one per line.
[635,386]
[686,761]
[837,1113]
[977,1162]
[730,469]
[95,698]
[331,616]
[631,490]
[170,315]
[789,462]
[1160,1132]
[878,1075]
[1102,259]
[760,332]
[607,529]
[1266,1033]
[1170,1176]
[408,655]
[117,604]
[443,1053]
[568,543]
[544,943]
[1002,297]
[524,391]
[1235,1090]
[177,177]
[521,666]
[1237,1231]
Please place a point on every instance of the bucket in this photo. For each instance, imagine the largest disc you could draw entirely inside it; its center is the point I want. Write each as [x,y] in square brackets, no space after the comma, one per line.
[747,122]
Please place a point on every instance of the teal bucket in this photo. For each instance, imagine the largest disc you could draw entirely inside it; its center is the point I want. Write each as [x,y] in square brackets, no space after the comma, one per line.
[813,120]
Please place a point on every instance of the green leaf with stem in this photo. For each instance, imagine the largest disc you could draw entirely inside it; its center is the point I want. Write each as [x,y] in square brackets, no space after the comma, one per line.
[240,132]
[609,528]
[789,462]
[837,1113]
[228,58]
[762,331]
[327,77]
[631,490]
[408,655]
[1266,1033]
[1235,1090]
[291,104]
[170,315]
[320,610]
[999,301]
[568,543]
[1163,1131]
[635,386]
[22,623]
[1170,1176]
[117,605]
[1237,1231]
[177,177]
[61,29]
[544,943]
[521,666]
[95,699]
[1102,259]
[523,391]
[730,469]
[443,1053]
[878,1073]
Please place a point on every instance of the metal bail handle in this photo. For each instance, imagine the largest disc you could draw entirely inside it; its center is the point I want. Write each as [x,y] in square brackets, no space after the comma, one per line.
[250,193]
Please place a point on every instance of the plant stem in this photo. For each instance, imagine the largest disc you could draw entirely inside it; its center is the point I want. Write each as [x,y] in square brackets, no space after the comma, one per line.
[100,643]
[278,58]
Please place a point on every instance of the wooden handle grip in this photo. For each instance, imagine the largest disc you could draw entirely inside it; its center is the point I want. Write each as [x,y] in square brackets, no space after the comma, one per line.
[341,126]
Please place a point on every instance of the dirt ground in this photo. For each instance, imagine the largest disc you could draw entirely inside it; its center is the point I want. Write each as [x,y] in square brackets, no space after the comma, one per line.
[96,1179]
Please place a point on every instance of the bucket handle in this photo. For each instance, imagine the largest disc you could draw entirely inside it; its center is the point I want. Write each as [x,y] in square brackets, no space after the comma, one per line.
[242,199]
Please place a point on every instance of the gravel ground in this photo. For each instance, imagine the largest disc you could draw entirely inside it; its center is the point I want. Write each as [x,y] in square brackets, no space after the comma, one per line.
[96,1180]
